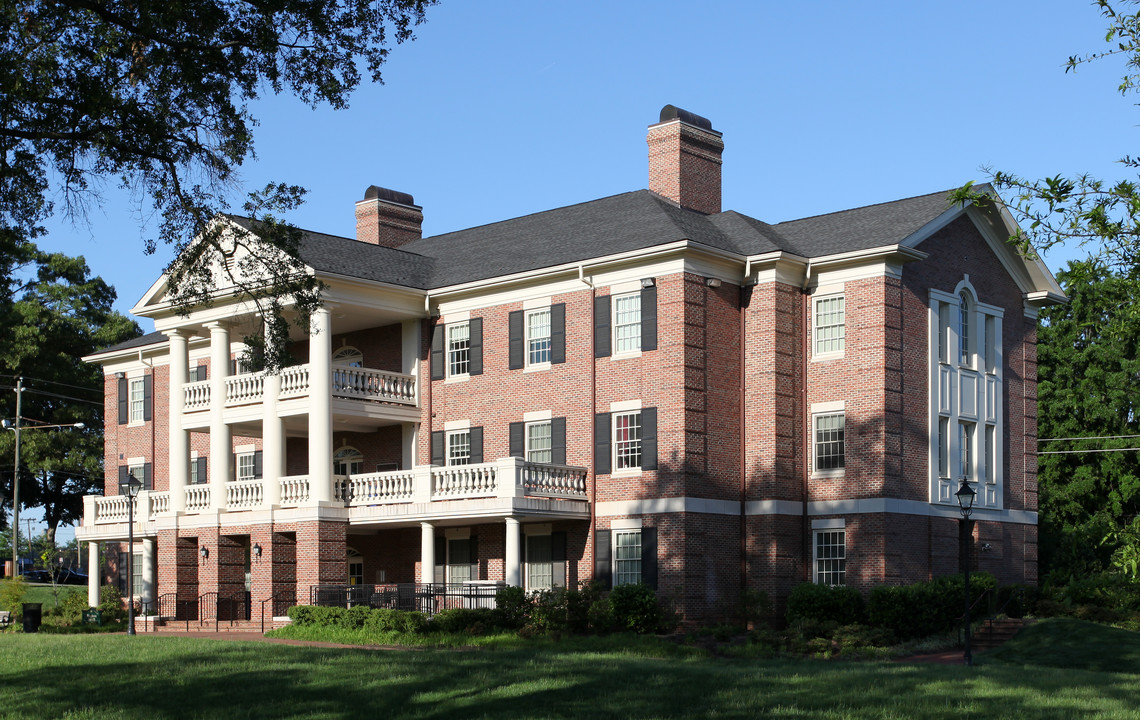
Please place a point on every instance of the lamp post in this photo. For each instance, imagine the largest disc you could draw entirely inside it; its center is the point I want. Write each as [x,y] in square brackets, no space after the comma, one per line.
[965,496]
[17,429]
[133,487]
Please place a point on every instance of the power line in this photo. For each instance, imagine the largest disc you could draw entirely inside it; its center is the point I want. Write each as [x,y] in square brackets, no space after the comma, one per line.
[1071,452]
[1090,437]
[55,395]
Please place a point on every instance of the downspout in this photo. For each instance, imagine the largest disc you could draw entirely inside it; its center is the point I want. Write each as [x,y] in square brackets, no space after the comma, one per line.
[744,300]
[592,531]
[806,494]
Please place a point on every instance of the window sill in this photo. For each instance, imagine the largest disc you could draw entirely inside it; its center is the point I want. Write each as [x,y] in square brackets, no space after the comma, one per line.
[828,474]
[625,355]
[456,379]
[538,367]
[825,357]
[135,423]
[626,472]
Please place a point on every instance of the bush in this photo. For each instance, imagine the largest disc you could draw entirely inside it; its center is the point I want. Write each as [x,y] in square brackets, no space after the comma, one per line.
[472,621]
[548,613]
[926,608]
[752,608]
[358,618]
[1017,601]
[12,591]
[810,601]
[111,604]
[635,608]
[512,607]
[856,637]
[588,610]
[401,621]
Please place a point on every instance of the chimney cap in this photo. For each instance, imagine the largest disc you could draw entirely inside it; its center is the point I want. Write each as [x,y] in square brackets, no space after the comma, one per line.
[375,192]
[672,112]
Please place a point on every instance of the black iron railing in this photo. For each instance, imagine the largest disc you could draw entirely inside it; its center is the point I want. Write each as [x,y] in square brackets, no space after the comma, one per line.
[428,598]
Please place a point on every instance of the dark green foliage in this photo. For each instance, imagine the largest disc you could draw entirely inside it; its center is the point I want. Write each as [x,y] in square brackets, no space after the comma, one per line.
[548,612]
[111,604]
[1016,601]
[926,608]
[512,607]
[69,611]
[753,607]
[471,621]
[811,601]
[635,608]
[588,610]
[378,620]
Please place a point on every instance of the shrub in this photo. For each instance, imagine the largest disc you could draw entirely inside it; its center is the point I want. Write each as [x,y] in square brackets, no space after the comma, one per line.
[111,604]
[401,621]
[548,613]
[753,607]
[926,608]
[588,609]
[1016,601]
[512,607]
[635,608]
[473,621]
[12,591]
[810,601]
[854,637]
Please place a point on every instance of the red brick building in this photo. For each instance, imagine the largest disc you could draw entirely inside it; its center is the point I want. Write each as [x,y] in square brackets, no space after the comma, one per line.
[638,388]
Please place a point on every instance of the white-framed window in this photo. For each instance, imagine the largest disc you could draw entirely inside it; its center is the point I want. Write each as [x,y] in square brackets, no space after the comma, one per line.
[627,323]
[990,454]
[138,400]
[194,480]
[138,469]
[246,465]
[828,447]
[349,356]
[348,461]
[943,447]
[966,449]
[627,440]
[459,447]
[627,557]
[538,337]
[965,314]
[458,349]
[136,574]
[830,549]
[829,325]
[460,560]
[539,562]
[538,448]
[355,562]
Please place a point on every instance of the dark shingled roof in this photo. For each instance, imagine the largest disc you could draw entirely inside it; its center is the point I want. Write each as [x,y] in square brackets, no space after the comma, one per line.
[141,341]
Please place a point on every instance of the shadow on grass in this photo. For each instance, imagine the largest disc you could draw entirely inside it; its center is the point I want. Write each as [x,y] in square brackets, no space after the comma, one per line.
[145,677]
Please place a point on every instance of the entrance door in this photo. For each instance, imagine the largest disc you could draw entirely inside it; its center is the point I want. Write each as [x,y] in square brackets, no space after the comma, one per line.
[539,562]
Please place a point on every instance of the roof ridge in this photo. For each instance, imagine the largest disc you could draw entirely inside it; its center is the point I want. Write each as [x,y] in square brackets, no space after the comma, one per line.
[864,207]
[338,237]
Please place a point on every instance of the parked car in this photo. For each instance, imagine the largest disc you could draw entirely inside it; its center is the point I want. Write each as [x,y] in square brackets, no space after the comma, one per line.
[67,576]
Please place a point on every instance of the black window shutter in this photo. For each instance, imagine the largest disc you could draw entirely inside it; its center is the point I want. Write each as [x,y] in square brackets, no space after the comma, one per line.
[558,558]
[440,558]
[437,440]
[649,556]
[649,438]
[602,459]
[602,326]
[516,349]
[476,445]
[258,463]
[124,478]
[202,478]
[473,556]
[476,328]
[124,402]
[146,478]
[123,574]
[558,441]
[558,333]
[602,571]
[649,318]
[148,396]
[438,369]
[203,372]
[518,439]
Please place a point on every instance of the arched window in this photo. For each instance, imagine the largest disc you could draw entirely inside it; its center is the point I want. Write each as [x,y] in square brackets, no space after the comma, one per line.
[348,461]
[964,316]
[355,563]
[348,356]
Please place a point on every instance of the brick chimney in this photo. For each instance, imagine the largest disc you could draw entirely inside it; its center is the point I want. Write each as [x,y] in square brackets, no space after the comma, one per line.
[684,160]
[389,218]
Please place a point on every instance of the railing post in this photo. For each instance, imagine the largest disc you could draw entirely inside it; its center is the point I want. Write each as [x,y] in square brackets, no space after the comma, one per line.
[509,477]
[421,484]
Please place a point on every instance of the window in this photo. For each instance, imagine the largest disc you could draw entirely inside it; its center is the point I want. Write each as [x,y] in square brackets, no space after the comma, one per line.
[831,557]
[136,574]
[943,332]
[538,337]
[348,356]
[355,567]
[829,450]
[197,374]
[966,447]
[459,447]
[539,562]
[627,323]
[990,455]
[991,344]
[460,560]
[627,557]
[194,478]
[627,440]
[830,328]
[458,349]
[964,328]
[538,446]
[246,466]
[138,400]
[943,447]
[348,461]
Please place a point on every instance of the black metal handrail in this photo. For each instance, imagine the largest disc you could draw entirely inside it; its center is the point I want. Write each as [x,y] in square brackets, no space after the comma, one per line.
[204,601]
[281,598]
[171,607]
[428,598]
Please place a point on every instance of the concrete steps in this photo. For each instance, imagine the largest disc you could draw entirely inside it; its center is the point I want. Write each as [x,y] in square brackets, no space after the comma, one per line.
[996,633]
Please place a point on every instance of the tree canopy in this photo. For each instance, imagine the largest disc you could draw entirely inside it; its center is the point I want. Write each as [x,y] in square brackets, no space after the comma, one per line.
[155,96]
[55,314]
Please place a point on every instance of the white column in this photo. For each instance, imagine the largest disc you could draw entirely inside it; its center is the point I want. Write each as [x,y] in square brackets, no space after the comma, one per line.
[93,574]
[272,442]
[221,444]
[149,572]
[320,406]
[512,563]
[427,553]
[179,438]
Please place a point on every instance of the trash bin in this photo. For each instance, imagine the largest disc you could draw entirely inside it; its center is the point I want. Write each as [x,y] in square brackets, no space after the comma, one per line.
[33,614]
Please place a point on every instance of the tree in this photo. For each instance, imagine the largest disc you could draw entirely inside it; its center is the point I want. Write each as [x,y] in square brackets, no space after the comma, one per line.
[1089,387]
[155,95]
[59,314]
[1082,209]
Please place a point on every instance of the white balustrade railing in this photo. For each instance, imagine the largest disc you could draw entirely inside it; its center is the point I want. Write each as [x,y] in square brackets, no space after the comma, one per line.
[111,509]
[367,384]
[294,489]
[245,389]
[159,504]
[244,495]
[197,498]
[196,395]
[554,480]
[382,488]
[294,381]
[463,481]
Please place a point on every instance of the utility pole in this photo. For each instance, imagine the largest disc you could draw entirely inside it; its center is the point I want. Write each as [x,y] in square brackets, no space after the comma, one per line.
[16,482]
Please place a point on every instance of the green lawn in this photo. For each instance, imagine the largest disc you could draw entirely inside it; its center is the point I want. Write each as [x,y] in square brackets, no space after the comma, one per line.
[43,594]
[43,676]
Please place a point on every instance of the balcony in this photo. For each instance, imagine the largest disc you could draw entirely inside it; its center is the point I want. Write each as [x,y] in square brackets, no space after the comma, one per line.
[503,486]
[353,383]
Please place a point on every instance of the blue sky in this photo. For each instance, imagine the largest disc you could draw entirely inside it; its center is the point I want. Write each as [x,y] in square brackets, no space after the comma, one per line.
[500,109]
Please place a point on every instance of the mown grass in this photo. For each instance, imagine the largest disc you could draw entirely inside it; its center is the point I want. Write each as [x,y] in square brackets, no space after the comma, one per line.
[43,594]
